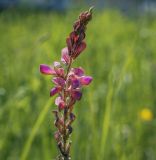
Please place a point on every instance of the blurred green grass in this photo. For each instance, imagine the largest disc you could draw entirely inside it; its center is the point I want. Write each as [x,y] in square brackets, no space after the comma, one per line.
[121,57]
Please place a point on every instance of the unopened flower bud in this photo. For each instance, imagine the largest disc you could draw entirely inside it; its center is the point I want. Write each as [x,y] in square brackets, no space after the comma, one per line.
[70,129]
[72,117]
[57,136]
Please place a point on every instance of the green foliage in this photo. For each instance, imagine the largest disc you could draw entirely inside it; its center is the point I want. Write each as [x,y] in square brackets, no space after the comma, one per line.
[121,57]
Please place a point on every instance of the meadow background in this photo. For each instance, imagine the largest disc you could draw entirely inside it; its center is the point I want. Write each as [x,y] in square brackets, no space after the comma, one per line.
[116,116]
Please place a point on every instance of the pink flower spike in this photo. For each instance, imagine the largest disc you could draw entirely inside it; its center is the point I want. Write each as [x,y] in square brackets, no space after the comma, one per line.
[45,69]
[54,91]
[65,56]
[85,80]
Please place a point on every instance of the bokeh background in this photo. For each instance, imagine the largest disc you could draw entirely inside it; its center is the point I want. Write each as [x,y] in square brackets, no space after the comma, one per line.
[116,118]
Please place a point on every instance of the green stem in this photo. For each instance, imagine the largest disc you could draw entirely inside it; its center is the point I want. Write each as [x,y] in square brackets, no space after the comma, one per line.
[68,69]
[65,114]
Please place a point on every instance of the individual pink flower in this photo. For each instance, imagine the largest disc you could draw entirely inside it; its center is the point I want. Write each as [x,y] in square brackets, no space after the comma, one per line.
[60,103]
[78,77]
[58,69]
[59,81]
[78,71]
[45,69]
[85,80]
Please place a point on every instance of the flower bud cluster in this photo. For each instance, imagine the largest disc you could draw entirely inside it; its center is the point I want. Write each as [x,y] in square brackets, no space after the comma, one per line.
[68,83]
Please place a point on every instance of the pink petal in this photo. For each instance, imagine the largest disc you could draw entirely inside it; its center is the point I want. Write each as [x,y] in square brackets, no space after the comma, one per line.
[75,83]
[47,70]
[76,95]
[78,71]
[65,58]
[85,80]
[54,91]
[57,100]
[59,81]
[59,71]
[56,64]
[60,103]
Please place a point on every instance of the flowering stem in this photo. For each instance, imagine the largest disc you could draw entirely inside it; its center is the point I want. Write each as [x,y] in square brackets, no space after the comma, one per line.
[68,83]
